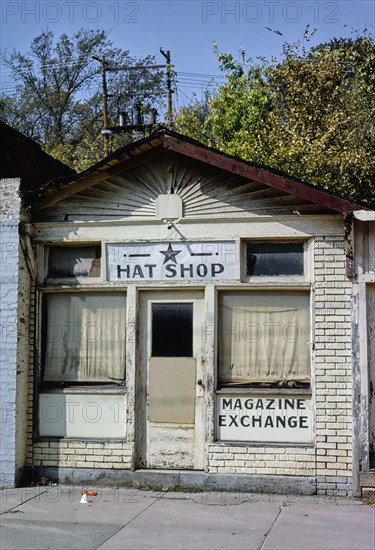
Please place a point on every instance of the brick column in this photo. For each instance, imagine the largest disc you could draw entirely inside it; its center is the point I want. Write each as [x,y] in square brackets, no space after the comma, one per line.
[333,368]
[9,266]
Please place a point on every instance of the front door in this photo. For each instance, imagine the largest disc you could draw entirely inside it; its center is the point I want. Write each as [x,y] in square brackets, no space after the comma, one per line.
[170,381]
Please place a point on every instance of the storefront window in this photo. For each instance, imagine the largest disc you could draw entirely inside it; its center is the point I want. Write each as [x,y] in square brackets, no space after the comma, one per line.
[264,338]
[84,338]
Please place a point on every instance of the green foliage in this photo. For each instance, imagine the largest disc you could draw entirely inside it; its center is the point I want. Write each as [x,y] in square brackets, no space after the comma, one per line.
[193,121]
[310,114]
[57,99]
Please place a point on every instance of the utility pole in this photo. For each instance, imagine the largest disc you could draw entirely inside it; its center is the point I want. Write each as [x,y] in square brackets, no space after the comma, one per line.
[105,103]
[107,129]
[167,56]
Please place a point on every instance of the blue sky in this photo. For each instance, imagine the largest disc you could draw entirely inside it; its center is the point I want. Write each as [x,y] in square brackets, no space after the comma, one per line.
[187,28]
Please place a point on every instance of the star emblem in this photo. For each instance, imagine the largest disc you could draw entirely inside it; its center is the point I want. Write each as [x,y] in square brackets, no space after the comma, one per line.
[170,254]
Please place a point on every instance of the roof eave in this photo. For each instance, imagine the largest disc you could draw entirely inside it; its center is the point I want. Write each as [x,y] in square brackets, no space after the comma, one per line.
[53,191]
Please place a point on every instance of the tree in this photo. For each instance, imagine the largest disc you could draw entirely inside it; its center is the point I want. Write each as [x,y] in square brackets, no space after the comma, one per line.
[324,113]
[310,114]
[57,98]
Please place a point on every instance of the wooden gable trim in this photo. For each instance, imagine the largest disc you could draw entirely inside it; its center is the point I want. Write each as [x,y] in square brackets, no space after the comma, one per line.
[261,175]
[139,152]
[80,184]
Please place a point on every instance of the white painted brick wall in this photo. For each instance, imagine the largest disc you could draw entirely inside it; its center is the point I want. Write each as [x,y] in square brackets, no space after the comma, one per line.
[83,454]
[8,358]
[14,320]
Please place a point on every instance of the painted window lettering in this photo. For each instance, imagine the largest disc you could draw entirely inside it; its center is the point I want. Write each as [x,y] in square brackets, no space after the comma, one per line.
[260,418]
[265,403]
[248,421]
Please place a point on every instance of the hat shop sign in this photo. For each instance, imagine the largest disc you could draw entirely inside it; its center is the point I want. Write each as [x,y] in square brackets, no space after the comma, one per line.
[167,261]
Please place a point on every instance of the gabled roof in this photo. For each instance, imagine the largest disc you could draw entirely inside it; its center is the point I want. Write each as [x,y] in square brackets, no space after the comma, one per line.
[144,150]
[23,158]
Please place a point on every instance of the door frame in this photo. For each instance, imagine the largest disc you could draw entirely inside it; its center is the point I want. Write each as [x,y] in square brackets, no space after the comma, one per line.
[370,330]
[146,298]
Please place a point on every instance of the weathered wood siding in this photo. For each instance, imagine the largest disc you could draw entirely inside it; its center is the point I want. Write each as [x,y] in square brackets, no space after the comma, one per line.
[204,190]
[365,248]
[363,323]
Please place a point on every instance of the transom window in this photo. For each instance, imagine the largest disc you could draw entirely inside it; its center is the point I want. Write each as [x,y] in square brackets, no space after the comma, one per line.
[67,262]
[269,259]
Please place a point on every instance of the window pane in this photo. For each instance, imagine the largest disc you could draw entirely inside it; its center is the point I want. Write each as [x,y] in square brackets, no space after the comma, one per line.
[77,261]
[267,259]
[172,330]
[84,337]
[264,337]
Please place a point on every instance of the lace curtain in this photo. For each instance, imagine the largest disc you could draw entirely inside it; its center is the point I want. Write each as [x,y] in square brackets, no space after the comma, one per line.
[85,337]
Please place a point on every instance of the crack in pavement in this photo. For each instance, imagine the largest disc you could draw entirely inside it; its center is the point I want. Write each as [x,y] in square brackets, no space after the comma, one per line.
[10,511]
[281,508]
[130,521]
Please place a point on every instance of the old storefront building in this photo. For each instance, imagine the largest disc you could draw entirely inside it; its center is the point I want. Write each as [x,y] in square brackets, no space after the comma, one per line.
[189,323]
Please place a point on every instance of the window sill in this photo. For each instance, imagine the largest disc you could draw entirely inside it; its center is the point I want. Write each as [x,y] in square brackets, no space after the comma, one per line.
[264,391]
[71,281]
[268,444]
[277,282]
[67,439]
[116,390]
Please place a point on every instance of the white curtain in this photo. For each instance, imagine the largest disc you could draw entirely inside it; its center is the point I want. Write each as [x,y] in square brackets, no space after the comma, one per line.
[85,337]
[264,336]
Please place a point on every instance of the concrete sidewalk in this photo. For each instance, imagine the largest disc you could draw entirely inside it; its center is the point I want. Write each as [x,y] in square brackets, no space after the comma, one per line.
[53,517]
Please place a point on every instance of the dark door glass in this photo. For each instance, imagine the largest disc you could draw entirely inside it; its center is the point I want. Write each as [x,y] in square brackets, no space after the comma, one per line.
[172,330]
